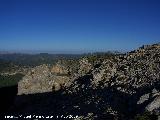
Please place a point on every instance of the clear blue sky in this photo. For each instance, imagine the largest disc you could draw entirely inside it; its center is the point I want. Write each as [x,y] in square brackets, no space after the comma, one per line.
[78,25]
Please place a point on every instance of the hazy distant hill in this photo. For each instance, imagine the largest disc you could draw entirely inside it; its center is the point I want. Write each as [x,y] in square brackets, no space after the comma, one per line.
[35,59]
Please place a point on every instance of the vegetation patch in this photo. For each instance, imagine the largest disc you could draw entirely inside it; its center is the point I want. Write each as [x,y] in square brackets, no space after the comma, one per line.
[146,116]
[10,80]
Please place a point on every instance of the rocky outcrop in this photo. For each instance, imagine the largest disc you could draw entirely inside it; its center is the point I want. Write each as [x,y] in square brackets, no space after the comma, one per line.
[117,88]
[40,79]
[131,82]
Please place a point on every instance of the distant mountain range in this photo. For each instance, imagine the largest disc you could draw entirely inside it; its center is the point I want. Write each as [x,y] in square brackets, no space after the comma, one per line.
[35,59]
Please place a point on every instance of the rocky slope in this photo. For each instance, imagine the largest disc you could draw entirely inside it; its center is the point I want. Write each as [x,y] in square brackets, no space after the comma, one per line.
[117,87]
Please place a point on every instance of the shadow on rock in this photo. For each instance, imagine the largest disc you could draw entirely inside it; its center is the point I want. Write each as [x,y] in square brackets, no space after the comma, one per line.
[83,100]
[7,96]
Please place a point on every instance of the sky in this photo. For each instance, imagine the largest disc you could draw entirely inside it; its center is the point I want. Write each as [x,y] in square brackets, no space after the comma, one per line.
[78,25]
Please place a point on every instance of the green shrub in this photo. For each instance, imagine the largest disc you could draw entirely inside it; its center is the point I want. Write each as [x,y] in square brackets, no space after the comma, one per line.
[10,80]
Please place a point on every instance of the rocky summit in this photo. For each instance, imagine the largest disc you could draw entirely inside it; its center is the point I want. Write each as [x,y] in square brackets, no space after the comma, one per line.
[115,87]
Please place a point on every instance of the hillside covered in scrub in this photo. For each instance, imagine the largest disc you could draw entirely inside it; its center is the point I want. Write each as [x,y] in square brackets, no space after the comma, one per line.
[109,86]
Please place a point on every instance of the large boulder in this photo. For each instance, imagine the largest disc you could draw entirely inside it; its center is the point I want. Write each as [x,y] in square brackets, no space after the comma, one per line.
[39,80]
